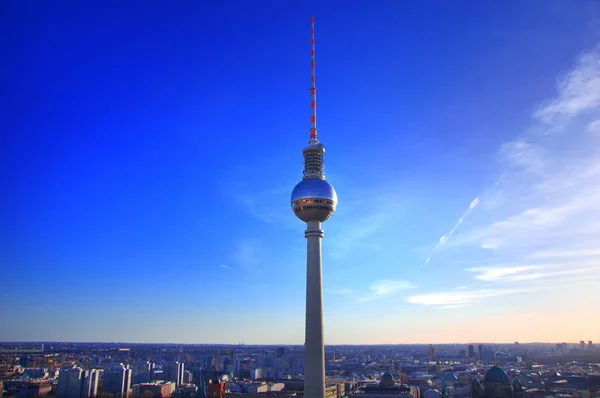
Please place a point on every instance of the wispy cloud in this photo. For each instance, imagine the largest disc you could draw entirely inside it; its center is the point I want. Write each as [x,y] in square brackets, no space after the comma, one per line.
[550,190]
[385,288]
[522,154]
[496,273]
[578,91]
[577,252]
[247,254]
[444,238]
[358,221]
[594,127]
[226,267]
[527,273]
[452,299]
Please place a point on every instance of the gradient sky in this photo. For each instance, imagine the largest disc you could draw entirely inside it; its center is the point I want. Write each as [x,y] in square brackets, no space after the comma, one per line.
[148,151]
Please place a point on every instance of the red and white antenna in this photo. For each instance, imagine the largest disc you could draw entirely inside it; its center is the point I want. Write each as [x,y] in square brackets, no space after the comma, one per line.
[313,88]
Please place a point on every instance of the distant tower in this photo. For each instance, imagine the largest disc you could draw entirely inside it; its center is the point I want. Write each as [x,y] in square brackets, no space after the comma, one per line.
[314,201]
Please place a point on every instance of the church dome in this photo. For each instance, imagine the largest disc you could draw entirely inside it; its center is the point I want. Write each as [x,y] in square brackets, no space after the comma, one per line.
[387,380]
[496,375]
[496,384]
[449,377]
[432,394]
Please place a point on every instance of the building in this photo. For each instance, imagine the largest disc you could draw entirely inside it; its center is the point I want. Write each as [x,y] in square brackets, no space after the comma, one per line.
[141,372]
[314,201]
[36,373]
[74,382]
[387,387]
[471,351]
[117,380]
[481,352]
[90,383]
[232,365]
[496,384]
[173,371]
[26,388]
[216,389]
[185,391]
[157,389]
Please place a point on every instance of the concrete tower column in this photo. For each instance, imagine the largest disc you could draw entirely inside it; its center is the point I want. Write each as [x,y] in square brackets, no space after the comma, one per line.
[314,350]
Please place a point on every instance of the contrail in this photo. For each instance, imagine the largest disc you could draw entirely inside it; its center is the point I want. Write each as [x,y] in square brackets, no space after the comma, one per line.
[444,238]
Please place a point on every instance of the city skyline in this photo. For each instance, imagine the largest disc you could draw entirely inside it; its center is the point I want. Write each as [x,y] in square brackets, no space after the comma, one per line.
[466,138]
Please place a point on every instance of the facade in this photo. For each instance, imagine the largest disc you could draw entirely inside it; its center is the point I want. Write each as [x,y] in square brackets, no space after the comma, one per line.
[117,380]
[158,389]
[387,387]
[185,391]
[141,372]
[173,371]
[26,389]
[314,201]
[74,382]
[36,373]
[496,384]
[90,383]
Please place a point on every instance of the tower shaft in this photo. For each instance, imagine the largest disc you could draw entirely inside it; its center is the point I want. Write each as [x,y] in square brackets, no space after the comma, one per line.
[314,349]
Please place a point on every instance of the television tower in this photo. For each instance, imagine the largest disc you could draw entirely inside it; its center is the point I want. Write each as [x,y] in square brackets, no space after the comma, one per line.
[313,201]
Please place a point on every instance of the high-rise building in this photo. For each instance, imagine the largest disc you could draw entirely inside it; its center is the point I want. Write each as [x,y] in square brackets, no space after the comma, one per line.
[90,383]
[70,379]
[582,345]
[117,380]
[471,351]
[74,382]
[232,365]
[314,200]
[173,371]
[481,352]
[431,351]
[280,352]
[141,372]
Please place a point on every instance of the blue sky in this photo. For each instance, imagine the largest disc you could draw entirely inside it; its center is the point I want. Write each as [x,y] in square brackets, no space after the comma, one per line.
[149,150]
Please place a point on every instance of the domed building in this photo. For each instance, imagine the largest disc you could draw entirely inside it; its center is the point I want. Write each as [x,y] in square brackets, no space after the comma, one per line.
[433,393]
[387,387]
[387,380]
[496,384]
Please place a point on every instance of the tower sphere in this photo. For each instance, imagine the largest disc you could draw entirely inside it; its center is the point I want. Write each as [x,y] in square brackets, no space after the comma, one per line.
[314,199]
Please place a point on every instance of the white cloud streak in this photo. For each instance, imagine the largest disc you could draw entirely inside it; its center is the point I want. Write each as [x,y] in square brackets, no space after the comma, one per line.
[453,299]
[444,238]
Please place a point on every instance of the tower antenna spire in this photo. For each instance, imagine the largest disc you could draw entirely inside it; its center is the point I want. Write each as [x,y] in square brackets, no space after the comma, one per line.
[313,88]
